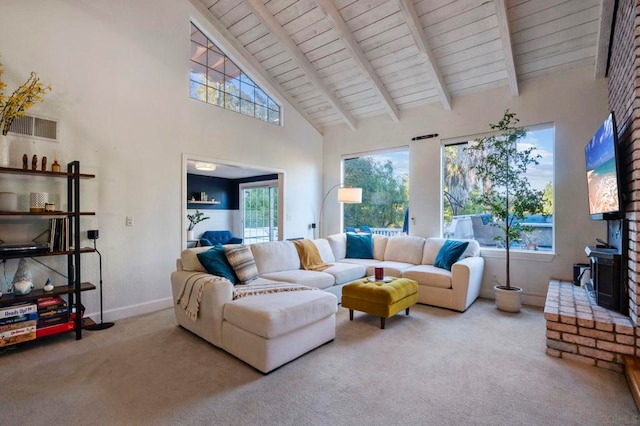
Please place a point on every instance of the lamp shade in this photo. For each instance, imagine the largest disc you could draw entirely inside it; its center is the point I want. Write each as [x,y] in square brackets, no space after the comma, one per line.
[350,195]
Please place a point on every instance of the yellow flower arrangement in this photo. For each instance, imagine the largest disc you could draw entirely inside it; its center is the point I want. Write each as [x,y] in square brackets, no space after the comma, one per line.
[25,96]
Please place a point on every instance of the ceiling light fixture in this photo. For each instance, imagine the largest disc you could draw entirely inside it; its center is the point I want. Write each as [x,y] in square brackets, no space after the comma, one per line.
[205,167]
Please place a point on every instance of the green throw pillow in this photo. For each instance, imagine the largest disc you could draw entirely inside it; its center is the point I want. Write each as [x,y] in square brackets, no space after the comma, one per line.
[215,262]
[449,253]
[359,246]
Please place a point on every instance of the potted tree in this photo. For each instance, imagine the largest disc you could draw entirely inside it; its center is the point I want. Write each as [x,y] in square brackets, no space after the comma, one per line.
[507,193]
[194,219]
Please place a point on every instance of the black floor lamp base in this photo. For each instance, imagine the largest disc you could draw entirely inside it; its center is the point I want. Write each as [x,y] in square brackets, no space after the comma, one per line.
[97,327]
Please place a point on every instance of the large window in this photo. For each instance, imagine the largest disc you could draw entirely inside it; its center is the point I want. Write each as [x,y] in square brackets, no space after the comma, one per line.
[384,179]
[215,79]
[465,217]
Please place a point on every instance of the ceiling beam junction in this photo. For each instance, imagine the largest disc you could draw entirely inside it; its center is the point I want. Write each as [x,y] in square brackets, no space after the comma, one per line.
[263,14]
[334,17]
[604,36]
[417,31]
[505,37]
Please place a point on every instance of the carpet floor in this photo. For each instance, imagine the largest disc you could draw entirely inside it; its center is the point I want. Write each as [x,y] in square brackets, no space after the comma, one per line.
[433,367]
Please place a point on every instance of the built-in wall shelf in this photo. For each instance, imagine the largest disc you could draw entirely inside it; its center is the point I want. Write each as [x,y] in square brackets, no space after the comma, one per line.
[202,202]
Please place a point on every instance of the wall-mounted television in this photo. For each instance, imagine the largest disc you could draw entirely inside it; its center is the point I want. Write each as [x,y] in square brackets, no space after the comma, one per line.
[603,172]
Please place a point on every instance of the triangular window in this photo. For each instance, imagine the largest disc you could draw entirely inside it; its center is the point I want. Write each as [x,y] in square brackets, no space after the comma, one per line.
[214,78]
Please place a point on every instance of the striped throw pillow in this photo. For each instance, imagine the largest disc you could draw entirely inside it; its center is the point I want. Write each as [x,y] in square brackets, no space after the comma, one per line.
[241,260]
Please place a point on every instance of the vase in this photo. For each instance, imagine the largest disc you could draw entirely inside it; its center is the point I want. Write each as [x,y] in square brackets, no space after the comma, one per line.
[190,236]
[4,151]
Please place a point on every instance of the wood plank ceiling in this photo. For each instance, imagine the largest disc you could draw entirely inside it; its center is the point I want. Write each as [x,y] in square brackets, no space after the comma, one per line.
[339,61]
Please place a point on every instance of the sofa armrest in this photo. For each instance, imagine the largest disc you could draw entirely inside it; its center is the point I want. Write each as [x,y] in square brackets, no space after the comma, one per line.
[205,242]
[235,240]
[217,291]
[466,280]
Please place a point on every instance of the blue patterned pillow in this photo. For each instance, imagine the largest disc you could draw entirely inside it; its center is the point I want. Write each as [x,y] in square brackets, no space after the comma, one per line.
[449,253]
[359,246]
[215,262]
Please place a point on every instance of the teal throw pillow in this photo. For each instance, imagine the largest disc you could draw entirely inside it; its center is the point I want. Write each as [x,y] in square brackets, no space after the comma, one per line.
[449,253]
[215,262]
[359,246]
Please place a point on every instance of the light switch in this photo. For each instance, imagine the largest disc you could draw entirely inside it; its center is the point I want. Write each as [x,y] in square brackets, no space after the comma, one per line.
[129,221]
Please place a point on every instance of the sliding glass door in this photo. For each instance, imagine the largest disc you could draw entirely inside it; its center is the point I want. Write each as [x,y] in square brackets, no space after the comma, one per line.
[259,211]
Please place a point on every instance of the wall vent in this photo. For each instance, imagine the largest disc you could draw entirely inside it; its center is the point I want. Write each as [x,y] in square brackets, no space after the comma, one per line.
[35,127]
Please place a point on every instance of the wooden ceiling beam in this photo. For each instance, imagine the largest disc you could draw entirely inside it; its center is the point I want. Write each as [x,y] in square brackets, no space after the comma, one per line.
[505,37]
[238,52]
[263,14]
[417,31]
[604,37]
[334,17]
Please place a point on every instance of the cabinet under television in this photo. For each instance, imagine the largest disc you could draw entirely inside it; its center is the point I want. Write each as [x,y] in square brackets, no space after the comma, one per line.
[608,269]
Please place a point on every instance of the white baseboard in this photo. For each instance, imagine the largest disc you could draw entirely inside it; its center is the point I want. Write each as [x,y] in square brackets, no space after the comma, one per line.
[527,299]
[133,310]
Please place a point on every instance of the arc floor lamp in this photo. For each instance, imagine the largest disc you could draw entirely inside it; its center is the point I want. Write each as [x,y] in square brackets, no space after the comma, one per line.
[346,194]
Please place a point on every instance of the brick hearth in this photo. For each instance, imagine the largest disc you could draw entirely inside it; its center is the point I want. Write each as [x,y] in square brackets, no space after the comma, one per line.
[580,330]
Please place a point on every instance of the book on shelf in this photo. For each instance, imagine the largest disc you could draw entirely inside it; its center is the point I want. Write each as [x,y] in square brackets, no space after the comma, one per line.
[7,328]
[53,301]
[54,329]
[51,312]
[59,234]
[19,318]
[53,319]
[24,328]
[18,309]
[20,335]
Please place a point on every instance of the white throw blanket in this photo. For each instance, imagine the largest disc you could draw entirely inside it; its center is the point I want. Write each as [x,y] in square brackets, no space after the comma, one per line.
[191,293]
[257,289]
[192,289]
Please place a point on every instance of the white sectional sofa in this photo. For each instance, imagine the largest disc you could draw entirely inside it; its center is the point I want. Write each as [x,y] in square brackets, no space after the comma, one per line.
[268,330]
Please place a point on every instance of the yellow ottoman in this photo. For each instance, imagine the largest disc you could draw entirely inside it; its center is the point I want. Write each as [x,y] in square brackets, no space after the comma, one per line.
[378,298]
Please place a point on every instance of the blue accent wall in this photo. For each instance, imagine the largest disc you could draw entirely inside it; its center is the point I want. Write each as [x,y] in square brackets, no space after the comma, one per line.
[220,189]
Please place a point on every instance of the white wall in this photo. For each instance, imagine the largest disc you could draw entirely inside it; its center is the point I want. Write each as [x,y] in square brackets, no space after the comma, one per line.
[119,71]
[575,102]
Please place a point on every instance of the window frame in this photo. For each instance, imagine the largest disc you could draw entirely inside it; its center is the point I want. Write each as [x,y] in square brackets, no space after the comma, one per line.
[270,112]
[496,252]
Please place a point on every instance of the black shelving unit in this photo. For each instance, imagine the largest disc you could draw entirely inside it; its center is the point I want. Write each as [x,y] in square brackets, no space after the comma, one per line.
[75,286]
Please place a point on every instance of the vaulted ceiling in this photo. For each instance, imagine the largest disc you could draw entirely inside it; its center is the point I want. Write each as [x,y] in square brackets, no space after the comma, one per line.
[338,61]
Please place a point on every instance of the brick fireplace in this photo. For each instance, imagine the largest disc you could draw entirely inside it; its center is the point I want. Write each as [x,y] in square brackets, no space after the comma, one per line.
[580,330]
[577,328]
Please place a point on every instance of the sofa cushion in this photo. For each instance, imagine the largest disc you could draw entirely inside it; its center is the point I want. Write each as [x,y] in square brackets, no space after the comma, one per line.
[272,315]
[379,246]
[433,244]
[392,269]
[242,262]
[274,256]
[216,263]
[449,253]
[429,275]
[364,262]
[359,246]
[315,279]
[338,243]
[189,259]
[346,272]
[324,248]
[404,249]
